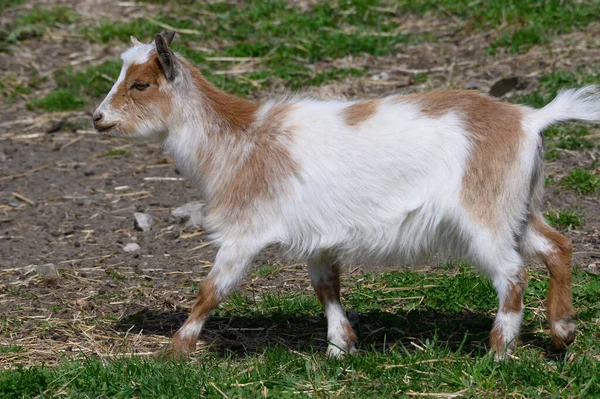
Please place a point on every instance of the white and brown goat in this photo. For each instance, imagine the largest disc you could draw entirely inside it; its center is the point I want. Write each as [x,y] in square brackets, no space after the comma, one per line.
[386,180]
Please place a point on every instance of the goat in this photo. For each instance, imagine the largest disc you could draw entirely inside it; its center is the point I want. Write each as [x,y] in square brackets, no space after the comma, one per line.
[380,180]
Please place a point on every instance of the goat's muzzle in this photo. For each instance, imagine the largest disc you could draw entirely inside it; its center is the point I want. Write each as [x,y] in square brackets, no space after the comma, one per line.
[98,125]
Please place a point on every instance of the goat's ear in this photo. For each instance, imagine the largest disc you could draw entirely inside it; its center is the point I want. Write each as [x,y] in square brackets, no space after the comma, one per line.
[134,41]
[165,56]
[168,35]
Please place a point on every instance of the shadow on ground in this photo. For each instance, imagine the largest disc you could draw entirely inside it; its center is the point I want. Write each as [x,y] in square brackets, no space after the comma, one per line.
[466,332]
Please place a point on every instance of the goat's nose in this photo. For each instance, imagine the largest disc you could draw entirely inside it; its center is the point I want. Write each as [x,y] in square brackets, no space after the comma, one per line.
[97,117]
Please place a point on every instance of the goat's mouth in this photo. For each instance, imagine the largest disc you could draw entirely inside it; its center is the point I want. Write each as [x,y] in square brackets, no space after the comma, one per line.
[105,128]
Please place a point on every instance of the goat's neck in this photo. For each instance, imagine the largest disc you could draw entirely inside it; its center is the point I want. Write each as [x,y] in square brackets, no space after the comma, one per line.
[211,135]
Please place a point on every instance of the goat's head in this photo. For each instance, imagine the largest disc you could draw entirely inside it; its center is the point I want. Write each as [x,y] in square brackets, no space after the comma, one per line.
[141,101]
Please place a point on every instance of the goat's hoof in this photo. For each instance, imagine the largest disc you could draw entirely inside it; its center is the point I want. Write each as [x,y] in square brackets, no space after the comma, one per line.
[178,349]
[169,353]
[338,352]
[504,355]
[504,352]
[563,332]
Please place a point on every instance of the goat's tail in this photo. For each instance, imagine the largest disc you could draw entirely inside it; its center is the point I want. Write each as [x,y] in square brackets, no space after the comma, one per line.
[581,104]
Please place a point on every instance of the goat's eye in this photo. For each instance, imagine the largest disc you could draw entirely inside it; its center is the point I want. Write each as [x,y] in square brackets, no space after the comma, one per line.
[140,86]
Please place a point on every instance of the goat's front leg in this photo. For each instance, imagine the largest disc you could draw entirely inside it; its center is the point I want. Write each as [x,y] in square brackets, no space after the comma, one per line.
[325,278]
[229,269]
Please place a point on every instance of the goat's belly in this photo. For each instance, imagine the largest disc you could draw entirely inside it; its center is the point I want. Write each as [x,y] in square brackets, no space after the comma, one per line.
[401,234]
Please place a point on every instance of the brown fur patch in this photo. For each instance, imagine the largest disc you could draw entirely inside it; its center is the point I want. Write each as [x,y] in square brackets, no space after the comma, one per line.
[264,159]
[359,112]
[350,335]
[206,302]
[136,103]
[266,164]
[514,301]
[496,134]
[496,341]
[328,288]
[559,303]
[238,112]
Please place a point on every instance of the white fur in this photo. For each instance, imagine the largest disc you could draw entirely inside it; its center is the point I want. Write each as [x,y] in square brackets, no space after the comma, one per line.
[386,190]
[509,325]
[572,104]
[336,334]
[191,329]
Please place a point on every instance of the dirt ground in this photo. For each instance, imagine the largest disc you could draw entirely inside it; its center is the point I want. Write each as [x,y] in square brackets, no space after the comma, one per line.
[64,201]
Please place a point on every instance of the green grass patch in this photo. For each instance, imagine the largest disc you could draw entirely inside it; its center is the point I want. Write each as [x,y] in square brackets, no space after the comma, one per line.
[566,137]
[585,182]
[59,100]
[564,220]
[521,23]
[116,153]
[267,271]
[11,348]
[4,4]
[77,88]
[550,84]
[423,333]
[289,40]
[34,23]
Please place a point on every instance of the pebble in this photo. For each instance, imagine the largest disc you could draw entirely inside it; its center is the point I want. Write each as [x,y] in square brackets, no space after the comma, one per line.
[192,212]
[14,203]
[48,269]
[131,247]
[143,221]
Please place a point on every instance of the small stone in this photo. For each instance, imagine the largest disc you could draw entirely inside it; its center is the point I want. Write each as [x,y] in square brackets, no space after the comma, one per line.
[131,247]
[143,221]
[84,304]
[49,269]
[382,76]
[192,212]
[472,85]
[14,203]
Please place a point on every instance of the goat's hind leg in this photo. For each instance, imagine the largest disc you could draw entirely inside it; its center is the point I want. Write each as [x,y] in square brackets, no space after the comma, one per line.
[556,253]
[510,287]
[504,266]
[325,278]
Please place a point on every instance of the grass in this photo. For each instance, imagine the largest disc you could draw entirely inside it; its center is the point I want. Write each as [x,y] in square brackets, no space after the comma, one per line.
[564,220]
[581,180]
[117,153]
[59,100]
[10,348]
[267,271]
[4,4]
[35,23]
[521,24]
[550,84]
[566,137]
[76,88]
[419,333]
[285,41]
